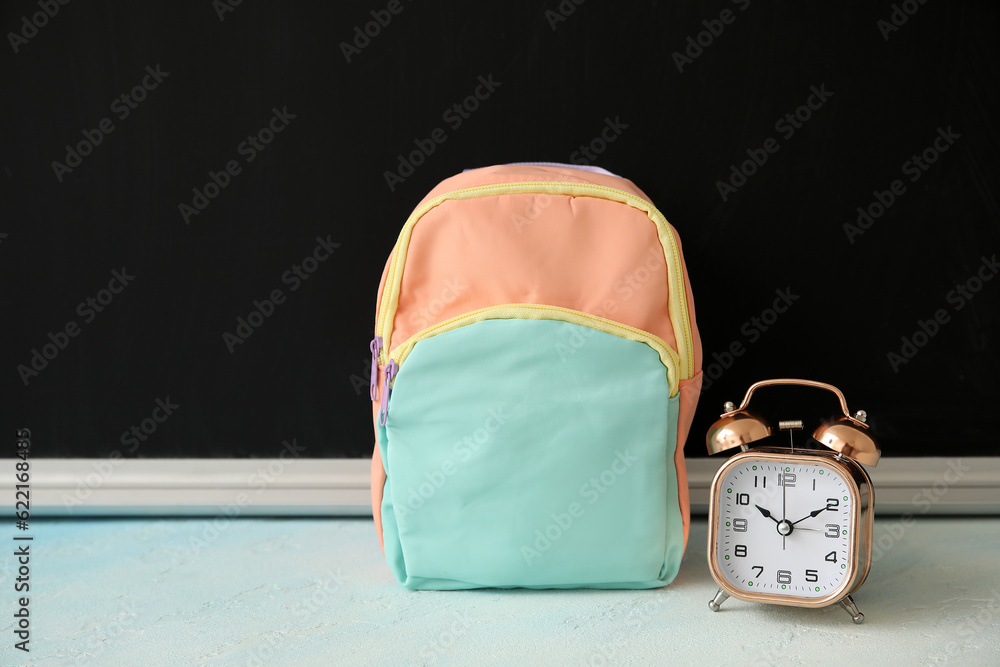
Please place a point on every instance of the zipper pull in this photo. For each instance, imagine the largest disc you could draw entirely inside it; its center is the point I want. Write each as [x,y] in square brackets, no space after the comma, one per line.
[376,348]
[390,373]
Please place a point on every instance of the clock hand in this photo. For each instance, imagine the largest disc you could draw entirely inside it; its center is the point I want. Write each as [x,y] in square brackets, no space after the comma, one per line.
[767,514]
[810,515]
[784,515]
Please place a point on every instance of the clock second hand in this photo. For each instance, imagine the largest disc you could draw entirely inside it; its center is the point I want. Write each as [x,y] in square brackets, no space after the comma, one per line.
[812,514]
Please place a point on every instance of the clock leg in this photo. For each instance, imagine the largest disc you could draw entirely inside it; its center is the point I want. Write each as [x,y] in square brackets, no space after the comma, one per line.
[717,601]
[852,609]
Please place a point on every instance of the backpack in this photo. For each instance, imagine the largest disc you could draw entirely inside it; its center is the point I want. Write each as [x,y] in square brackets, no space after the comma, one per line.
[535,370]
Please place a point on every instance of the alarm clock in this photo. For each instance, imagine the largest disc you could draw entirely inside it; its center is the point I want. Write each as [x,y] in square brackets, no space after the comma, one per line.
[791,526]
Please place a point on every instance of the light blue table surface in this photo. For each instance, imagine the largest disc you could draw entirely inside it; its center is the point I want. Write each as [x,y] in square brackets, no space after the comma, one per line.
[316,592]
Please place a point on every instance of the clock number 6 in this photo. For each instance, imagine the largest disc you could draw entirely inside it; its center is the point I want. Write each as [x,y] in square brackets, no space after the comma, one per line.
[784,577]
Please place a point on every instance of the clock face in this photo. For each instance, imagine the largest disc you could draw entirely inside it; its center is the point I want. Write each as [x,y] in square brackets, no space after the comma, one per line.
[785,527]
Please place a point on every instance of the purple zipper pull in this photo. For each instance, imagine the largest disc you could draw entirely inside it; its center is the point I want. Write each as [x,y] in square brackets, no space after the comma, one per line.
[390,373]
[376,348]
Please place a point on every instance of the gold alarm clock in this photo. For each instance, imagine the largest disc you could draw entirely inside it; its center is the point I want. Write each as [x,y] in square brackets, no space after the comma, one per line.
[791,526]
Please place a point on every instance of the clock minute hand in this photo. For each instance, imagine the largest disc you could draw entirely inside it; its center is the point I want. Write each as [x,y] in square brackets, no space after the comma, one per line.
[784,513]
[767,514]
[810,515]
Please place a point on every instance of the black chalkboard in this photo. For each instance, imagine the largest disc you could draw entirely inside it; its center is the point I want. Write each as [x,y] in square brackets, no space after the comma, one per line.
[198,199]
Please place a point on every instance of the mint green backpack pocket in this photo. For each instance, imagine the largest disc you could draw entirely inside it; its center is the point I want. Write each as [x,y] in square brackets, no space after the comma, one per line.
[531,446]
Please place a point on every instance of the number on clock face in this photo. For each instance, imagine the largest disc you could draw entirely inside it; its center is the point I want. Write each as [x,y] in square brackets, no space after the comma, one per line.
[784,529]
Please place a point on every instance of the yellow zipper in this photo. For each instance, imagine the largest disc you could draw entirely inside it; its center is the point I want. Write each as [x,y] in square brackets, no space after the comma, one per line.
[678,307]
[535,311]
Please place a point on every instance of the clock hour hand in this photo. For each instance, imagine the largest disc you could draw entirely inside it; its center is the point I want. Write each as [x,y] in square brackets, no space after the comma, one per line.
[810,515]
[766,513]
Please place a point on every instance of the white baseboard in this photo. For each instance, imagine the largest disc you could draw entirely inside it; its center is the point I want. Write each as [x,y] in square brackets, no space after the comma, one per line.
[196,487]
[340,487]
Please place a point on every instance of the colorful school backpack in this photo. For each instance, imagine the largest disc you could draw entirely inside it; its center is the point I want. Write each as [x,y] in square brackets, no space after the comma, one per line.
[535,369]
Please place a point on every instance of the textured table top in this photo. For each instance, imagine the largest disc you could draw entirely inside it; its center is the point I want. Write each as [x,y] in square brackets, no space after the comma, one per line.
[317,592]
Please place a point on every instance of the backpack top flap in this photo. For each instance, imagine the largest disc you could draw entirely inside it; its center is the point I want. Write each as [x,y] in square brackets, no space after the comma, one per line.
[529,234]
